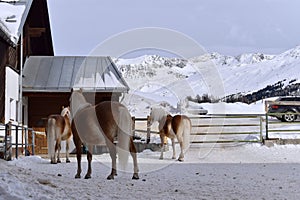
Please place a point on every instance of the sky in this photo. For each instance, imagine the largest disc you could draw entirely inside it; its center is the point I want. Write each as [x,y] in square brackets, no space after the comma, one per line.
[229,27]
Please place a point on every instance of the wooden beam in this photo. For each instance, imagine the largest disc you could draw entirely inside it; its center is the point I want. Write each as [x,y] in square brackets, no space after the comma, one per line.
[36,32]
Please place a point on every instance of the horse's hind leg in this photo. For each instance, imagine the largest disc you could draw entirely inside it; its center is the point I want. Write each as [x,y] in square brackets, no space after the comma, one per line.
[112,152]
[53,156]
[78,144]
[67,149]
[134,158]
[162,135]
[78,156]
[181,155]
[89,158]
[173,148]
[58,148]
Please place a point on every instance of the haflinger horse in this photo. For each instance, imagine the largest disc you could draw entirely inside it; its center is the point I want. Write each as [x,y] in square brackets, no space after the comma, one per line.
[101,124]
[178,126]
[58,129]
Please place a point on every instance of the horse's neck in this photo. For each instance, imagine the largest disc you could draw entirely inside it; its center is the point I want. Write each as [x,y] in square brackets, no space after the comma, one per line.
[84,105]
[80,107]
[78,103]
[67,120]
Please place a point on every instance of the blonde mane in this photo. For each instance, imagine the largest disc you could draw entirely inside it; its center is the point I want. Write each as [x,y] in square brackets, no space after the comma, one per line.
[77,102]
[157,114]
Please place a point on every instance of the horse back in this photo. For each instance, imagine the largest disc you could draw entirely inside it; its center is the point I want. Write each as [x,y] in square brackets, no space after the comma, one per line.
[59,121]
[168,125]
[108,113]
[180,122]
[62,123]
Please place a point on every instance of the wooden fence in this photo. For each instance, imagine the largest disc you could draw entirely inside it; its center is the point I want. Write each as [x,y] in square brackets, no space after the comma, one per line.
[279,127]
[221,128]
[215,128]
[227,128]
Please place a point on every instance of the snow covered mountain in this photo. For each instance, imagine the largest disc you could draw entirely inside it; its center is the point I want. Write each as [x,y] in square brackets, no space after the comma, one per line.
[172,79]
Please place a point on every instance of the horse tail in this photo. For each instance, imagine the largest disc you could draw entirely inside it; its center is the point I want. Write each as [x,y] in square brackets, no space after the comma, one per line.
[51,136]
[187,126]
[124,135]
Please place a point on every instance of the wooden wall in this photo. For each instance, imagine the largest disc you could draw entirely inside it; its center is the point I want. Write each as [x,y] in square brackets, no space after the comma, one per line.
[37,32]
[41,105]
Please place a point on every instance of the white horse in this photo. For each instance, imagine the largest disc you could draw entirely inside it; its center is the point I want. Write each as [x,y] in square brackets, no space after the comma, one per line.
[178,126]
[101,124]
[58,129]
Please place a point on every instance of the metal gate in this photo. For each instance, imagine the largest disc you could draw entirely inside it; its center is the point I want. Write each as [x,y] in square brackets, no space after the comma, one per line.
[14,140]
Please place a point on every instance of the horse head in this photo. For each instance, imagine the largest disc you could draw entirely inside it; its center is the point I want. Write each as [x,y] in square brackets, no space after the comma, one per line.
[66,112]
[157,114]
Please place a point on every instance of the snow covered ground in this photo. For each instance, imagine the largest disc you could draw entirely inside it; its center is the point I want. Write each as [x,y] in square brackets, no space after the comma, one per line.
[249,171]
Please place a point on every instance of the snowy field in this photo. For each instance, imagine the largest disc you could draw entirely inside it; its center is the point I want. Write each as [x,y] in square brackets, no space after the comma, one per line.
[249,171]
[236,171]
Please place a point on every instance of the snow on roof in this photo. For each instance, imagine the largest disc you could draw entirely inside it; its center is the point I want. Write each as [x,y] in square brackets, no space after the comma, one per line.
[12,18]
[63,73]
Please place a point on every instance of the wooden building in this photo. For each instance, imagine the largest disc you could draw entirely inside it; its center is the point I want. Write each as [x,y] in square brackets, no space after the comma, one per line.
[48,81]
[24,31]
[26,50]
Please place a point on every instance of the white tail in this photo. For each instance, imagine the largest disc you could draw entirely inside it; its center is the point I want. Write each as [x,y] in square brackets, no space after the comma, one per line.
[51,137]
[124,134]
[187,126]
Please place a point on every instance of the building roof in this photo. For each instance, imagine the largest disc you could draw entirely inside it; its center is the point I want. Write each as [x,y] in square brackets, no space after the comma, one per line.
[13,15]
[63,73]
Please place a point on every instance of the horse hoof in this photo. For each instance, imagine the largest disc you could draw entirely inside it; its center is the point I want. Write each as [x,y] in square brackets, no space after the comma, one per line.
[58,161]
[110,177]
[53,162]
[87,177]
[173,157]
[135,177]
[180,159]
[77,176]
[68,161]
[161,158]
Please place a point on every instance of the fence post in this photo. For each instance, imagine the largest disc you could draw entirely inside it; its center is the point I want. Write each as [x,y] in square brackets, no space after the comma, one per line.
[5,140]
[261,127]
[7,145]
[26,141]
[32,142]
[267,126]
[17,138]
[148,129]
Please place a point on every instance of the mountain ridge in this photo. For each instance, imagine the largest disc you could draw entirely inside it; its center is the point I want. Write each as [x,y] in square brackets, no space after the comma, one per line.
[244,74]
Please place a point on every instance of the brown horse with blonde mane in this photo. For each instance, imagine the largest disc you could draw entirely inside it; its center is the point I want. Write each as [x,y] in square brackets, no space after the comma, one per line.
[102,124]
[178,127]
[58,129]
